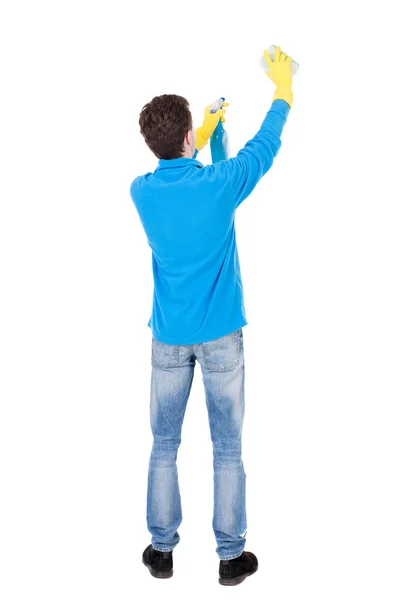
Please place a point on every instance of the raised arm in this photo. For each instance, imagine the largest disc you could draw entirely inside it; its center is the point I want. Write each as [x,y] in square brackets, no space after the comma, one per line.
[243,172]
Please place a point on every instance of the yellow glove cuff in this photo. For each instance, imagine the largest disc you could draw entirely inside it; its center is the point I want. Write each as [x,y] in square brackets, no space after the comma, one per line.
[284,94]
[201,140]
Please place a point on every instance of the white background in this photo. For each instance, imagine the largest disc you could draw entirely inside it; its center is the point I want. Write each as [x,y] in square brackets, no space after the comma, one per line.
[319,249]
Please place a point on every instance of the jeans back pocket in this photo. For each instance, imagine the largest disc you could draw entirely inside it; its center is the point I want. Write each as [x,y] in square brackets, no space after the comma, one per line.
[164,355]
[222,354]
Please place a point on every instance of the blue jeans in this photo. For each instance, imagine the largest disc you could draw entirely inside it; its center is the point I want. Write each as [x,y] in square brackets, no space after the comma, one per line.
[222,364]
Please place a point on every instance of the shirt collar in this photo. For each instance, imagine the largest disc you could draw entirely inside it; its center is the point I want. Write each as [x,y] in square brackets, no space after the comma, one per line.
[177,162]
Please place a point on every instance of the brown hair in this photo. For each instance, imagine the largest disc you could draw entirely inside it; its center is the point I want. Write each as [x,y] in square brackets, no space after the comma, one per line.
[163,124]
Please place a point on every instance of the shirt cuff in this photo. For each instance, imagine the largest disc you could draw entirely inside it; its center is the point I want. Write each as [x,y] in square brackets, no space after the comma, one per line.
[282,106]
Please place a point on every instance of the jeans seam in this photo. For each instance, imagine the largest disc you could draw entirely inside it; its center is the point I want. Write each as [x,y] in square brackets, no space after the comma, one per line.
[230,556]
[164,549]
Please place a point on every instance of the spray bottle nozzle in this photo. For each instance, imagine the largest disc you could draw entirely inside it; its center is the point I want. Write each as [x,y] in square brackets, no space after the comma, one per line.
[216,106]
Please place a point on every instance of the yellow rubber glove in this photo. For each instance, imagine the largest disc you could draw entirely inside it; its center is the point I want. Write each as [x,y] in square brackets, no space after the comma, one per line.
[280,74]
[210,122]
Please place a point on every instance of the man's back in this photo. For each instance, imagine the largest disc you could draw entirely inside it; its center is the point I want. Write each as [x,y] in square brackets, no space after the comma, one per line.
[188,217]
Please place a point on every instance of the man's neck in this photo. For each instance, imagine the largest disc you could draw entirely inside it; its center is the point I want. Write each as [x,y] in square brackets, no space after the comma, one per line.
[187,153]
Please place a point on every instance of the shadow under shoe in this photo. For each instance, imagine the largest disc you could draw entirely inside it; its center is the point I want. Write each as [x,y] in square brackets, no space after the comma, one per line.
[160,564]
[235,571]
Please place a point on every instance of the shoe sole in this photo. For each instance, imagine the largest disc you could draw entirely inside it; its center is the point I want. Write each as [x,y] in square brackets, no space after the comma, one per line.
[236,580]
[159,574]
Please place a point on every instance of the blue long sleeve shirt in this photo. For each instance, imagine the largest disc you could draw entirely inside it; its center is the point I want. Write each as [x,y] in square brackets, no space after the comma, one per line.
[188,214]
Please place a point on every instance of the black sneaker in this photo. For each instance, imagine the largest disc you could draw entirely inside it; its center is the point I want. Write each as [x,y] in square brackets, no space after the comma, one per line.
[160,564]
[233,572]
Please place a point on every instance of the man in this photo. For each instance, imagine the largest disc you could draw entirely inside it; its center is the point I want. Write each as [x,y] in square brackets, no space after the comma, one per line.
[188,213]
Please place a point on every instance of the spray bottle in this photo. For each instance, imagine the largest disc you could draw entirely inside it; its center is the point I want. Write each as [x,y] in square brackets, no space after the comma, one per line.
[219,143]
